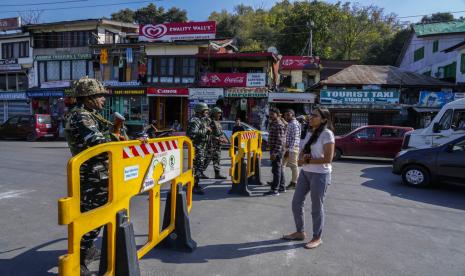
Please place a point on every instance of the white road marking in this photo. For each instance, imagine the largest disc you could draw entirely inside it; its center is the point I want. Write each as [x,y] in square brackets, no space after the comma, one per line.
[14,194]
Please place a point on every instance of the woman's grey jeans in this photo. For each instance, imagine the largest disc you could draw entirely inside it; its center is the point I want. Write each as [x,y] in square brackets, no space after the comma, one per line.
[316,184]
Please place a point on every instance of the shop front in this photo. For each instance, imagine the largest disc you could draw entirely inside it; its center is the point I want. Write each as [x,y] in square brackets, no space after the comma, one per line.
[131,102]
[13,103]
[47,102]
[352,108]
[248,103]
[211,96]
[169,107]
[429,104]
[301,103]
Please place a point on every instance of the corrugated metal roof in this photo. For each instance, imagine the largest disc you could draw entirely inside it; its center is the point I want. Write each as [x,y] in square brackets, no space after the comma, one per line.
[381,75]
[456,26]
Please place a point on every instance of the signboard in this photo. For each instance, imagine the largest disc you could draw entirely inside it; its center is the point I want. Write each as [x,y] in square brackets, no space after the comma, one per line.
[299,63]
[127,91]
[8,61]
[378,97]
[246,92]
[13,96]
[120,83]
[104,56]
[171,162]
[233,80]
[10,67]
[63,57]
[205,93]
[178,31]
[10,23]
[40,94]
[458,96]
[291,98]
[172,91]
[55,84]
[434,99]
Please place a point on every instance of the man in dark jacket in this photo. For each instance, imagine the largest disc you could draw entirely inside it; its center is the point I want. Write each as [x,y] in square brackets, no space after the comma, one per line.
[276,140]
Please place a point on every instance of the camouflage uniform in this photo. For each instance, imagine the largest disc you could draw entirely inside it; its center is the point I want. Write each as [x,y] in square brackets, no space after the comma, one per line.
[198,133]
[84,129]
[214,146]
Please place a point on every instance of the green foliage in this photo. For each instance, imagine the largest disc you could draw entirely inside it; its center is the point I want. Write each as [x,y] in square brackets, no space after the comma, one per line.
[438,17]
[150,15]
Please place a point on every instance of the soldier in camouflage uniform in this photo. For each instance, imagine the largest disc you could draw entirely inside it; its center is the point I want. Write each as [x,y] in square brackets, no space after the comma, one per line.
[85,128]
[214,146]
[198,132]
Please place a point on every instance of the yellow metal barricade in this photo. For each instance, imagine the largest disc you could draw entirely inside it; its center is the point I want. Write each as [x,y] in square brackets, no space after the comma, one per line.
[133,167]
[245,146]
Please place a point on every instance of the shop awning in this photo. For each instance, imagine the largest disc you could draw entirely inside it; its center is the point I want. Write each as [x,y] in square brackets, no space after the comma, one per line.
[426,109]
[291,97]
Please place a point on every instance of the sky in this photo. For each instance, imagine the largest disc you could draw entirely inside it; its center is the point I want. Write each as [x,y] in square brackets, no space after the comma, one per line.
[198,10]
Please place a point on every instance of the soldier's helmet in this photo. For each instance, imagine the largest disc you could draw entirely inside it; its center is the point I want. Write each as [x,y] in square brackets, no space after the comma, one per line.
[216,110]
[86,86]
[200,107]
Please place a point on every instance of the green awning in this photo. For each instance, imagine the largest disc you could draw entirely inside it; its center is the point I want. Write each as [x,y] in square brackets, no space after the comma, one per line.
[457,26]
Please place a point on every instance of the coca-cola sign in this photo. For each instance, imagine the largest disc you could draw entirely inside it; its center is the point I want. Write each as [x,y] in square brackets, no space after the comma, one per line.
[233,80]
[168,91]
[299,63]
[178,31]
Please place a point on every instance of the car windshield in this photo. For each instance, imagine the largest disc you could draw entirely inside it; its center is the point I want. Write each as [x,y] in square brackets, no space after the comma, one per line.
[44,119]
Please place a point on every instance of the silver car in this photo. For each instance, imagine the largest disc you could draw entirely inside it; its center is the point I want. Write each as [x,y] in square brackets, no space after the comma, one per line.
[229,125]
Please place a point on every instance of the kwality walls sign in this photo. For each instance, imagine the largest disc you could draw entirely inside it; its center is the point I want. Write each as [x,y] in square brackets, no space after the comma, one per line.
[348,96]
[178,31]
[233,80]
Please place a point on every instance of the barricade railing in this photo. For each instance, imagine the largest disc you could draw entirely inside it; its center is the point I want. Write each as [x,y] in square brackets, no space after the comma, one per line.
[133,168]
[246,154]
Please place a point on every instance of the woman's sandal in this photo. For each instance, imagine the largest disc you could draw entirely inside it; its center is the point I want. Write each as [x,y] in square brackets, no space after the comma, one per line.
[313,244]
[294,237]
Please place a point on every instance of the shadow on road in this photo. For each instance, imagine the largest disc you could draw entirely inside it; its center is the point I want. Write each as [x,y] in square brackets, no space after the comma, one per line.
[35,261]
[222,251]
[441,194]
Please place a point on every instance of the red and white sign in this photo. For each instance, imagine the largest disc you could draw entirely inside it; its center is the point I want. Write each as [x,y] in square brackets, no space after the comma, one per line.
[233,80]
[298,63]
[10,23]
[168,91]
[178,31]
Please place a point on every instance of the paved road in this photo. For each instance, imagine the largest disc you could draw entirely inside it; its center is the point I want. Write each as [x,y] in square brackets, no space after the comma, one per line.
[375,225]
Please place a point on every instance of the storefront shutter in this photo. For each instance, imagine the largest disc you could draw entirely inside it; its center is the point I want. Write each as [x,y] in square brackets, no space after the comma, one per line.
[17,108]
[2,112]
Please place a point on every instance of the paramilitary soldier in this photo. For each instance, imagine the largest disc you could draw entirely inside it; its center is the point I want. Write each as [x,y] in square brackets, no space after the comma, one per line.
[198,132]
[214,146]
[85,128]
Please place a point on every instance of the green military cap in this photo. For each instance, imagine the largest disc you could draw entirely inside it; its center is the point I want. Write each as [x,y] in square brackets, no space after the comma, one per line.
[200,107]
[216,110]
[86,86]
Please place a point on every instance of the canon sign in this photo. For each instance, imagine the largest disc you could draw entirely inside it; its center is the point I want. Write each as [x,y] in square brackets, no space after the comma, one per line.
[154,91]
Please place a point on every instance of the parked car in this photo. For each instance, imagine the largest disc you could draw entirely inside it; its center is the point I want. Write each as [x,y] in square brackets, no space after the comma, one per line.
[422,167]
[229,125]
[371,141]
[447,125]
[29,127]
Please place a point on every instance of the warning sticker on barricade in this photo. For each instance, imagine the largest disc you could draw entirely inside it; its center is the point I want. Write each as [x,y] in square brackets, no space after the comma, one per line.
[249,135]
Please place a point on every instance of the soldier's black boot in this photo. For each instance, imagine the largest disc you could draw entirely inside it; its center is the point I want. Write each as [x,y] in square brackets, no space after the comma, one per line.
[203,176]
[197,190]
[218,175]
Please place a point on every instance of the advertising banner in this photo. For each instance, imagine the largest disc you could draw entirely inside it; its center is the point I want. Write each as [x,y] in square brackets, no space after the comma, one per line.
[233,80]
[434,99]
[178,31]
[171,91]
[10,23]
[348,96]
[120,83]
[13,96]
[127,91]
[63,57]
[298,63]
[205,93]
[55,84]
[246,92]
[291,98]
[459,95]
[104,56]
[41,94]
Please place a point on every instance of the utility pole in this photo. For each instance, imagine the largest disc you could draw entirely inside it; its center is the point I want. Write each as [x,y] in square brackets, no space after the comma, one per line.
[310,25]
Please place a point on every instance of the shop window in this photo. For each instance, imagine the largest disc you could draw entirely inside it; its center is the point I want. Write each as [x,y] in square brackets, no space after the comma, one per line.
[171,70]
[15,50]
[286,81]
[63,39]
[22,82]
[446,120]
[419,54]
[450,70]
[64,70]
[79,68]
[458,122]
[3,82]
[166,70]
[435,46]
[462,63]
[53,70]
[109,37]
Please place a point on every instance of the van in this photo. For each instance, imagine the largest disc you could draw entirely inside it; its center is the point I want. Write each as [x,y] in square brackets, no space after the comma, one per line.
[447,125]
[29,127]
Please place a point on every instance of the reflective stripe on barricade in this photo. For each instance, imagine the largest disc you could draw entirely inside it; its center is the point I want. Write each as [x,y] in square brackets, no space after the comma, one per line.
[245,160]
[133,168]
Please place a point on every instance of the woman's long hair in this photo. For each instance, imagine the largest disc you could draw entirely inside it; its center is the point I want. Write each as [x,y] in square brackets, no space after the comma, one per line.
[325,114]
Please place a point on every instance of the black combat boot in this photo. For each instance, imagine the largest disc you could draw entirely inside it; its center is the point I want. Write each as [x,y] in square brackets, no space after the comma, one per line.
[197,190]
[218,175]
[203,176]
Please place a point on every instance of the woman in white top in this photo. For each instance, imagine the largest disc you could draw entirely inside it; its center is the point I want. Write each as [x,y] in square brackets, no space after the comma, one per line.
[315,176]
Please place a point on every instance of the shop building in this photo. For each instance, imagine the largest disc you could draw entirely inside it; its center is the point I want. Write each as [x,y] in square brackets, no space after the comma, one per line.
[15,66]
[247,79]
[367,95]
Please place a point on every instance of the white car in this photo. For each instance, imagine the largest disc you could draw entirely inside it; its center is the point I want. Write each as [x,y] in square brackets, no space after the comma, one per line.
[229,125]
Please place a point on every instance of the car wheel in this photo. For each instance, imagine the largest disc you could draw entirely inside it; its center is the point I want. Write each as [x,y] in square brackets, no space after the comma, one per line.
[31,137]
[337,154]
[416,176]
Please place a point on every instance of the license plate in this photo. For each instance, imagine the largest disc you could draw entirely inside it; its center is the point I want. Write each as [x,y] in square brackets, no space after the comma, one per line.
[48,135]
[48,125]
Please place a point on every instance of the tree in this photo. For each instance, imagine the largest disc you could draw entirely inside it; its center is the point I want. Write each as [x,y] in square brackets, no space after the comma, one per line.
[30,17]
[125,15]
[387,52]
[438,17]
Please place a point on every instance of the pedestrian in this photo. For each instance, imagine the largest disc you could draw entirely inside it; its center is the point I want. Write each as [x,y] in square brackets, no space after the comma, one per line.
[303,126]
[217,139]
[86,128]
[198,132]
[208,147]
[315,176]
[291,154]
[276,140]
[237,126]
